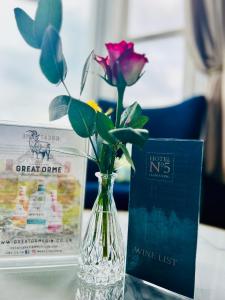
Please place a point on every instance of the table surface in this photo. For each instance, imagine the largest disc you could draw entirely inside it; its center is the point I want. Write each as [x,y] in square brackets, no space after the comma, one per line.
[62,283]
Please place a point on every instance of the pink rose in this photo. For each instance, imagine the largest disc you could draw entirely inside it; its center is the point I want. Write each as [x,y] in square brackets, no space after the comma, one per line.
[122,66]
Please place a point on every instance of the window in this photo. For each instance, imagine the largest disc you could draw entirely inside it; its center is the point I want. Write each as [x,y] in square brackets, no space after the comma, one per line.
[156,27]
[25,93]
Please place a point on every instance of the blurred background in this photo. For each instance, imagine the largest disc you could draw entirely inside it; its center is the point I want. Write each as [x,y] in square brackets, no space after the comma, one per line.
[184,42]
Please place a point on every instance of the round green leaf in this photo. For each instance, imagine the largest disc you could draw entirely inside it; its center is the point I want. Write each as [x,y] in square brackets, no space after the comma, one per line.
[49,12]
[82,118]
[52,61]
[139,122]
[103,125]
[58,107]
[130,135]
[130,114]
[26,25]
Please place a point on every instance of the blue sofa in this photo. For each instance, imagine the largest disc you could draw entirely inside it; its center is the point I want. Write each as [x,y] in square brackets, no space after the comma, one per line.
[182,121]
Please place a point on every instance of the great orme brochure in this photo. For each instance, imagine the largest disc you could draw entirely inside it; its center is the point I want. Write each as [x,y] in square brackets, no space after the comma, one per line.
[164,213]
[41,193]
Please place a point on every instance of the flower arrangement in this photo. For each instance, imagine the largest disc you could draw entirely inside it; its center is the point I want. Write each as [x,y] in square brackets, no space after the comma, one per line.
[122,67]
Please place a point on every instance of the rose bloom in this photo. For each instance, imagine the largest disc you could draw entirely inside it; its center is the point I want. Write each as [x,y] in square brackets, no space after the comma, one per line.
[122,66]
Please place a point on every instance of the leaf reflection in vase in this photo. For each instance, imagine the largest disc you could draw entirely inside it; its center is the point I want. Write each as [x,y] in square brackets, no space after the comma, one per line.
[86,291]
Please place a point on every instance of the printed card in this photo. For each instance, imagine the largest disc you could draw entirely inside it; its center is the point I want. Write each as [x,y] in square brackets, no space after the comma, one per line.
[164,213]
[41,192]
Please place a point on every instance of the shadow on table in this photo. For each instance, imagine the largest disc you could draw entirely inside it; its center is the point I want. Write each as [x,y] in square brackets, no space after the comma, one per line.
[136,289]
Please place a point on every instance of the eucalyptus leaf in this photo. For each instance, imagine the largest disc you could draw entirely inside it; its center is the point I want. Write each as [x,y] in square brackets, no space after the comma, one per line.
[127,155]
[85,71]
[139,122]
[82,118]
[103,125]
[130,135]
[26,27]
[52,61]
[58,107]
[130,114]
[49,12]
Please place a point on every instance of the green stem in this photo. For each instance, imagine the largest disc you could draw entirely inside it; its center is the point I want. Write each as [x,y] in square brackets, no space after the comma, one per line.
[64,84]
[105,201]
[119,107]
[105,195]
[105,234]
[113,160]
[95,152]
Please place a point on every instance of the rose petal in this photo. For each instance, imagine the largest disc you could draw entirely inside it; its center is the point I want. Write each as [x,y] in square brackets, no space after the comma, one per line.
[131,65]
[117,75]
[104,62]
[115,50]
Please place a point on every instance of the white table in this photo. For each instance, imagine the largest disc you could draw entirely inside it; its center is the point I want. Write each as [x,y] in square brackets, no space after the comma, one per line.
[61,283]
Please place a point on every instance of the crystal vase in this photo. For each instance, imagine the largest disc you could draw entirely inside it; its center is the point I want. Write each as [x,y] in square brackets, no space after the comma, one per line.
[85,291]
[102,250]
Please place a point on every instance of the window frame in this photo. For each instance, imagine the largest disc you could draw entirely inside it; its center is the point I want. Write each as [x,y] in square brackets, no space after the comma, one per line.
[187,88]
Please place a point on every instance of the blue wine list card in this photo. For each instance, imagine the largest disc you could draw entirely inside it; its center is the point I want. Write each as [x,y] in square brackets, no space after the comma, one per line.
[164,213]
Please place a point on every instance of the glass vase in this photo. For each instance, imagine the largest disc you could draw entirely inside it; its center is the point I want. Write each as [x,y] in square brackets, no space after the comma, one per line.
[85,291]
[102,250]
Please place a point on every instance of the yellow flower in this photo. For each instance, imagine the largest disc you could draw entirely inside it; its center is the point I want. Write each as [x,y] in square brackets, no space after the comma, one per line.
[94,105]
[109,111]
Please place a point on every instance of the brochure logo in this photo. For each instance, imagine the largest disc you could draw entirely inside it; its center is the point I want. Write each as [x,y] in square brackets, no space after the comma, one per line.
[38,148]
[38,158]
[160,166]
